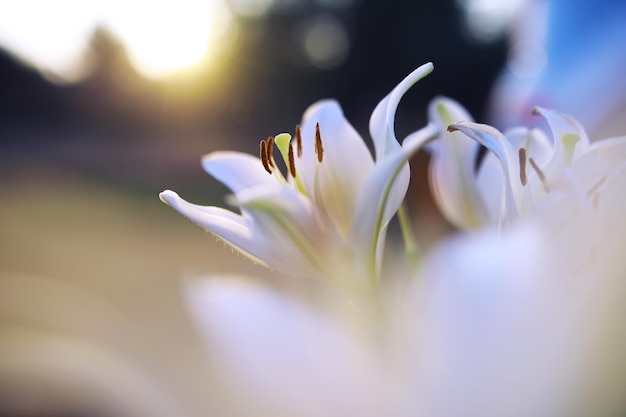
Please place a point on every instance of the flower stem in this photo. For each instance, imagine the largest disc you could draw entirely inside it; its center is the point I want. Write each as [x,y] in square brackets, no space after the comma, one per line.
[411,249]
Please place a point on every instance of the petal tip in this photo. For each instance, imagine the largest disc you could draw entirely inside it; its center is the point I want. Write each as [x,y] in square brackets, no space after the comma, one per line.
[422,71]
[327,104]
[168,196]
[208,158]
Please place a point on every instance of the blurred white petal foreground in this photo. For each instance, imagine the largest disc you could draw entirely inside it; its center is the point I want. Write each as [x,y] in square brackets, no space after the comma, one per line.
[278,356]
[328,215]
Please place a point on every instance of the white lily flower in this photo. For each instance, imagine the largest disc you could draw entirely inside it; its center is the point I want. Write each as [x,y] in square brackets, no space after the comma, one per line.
[521,167]
[329,214]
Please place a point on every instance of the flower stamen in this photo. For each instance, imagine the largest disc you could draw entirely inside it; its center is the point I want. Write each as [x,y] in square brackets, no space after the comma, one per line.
[292,162]
[595,201]
[522,166]
[319,149]
[540,173]
[595,187]
[270,151]
[263,156]
[299,141]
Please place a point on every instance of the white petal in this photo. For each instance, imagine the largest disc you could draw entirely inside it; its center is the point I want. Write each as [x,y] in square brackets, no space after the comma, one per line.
[335,181]
[237,170]
[610,151]
[570,139]
[295,234]
[383,118]
[491,326]
[381,196]
[452,168]
[280,356]
[497,143]
[226,225]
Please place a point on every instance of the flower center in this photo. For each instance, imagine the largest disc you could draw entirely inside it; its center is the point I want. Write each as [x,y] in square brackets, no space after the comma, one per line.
[284,144]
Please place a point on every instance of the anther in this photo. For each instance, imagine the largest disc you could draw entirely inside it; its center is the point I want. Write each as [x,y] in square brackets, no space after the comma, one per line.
[452,128]
[270,151]
[540,173]
[319,149]
[522,166]
[292,162]
[263,155]
[299,140]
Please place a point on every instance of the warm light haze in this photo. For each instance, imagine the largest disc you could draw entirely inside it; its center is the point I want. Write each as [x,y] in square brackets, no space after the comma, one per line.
[160,37]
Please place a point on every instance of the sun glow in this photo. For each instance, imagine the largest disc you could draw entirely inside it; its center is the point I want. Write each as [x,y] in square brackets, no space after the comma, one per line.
[160,36]
[166,36]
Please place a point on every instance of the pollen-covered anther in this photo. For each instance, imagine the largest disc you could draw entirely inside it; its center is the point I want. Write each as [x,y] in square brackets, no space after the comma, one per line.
[319,148]
[292,162]
[522,166]
[299,141]
[540,173]
[452,128]
[263,156]
[270,151]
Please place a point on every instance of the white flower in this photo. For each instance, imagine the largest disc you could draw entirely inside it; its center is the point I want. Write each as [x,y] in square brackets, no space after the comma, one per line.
[524,313]
[329,214]
[520,169]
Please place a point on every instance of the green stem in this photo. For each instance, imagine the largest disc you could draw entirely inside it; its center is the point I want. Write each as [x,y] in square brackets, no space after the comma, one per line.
[411,249]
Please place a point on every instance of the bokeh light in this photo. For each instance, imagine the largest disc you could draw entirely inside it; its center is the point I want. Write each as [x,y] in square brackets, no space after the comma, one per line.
[325,42]
[172,34]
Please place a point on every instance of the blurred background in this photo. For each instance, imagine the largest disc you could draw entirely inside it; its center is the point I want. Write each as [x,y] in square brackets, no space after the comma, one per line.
[103,104]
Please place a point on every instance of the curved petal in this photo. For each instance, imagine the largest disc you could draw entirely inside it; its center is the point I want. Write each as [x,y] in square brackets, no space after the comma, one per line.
[334,182]
[452,172]
[383,117]
[237,170]
[497,143]
[379,199]
[226,225]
